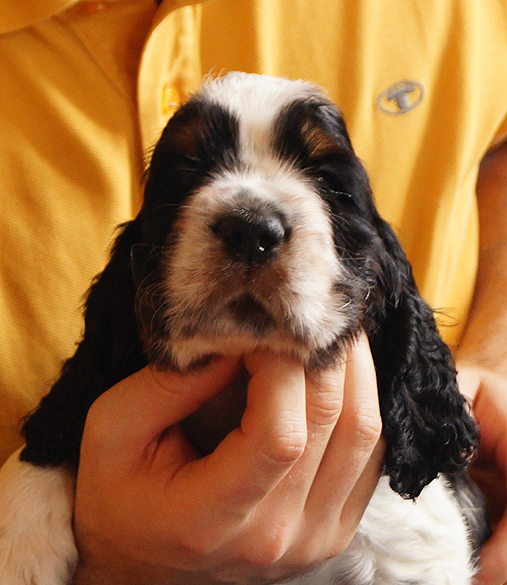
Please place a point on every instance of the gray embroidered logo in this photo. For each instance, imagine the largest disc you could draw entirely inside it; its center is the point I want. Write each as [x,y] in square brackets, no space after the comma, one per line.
[401,97]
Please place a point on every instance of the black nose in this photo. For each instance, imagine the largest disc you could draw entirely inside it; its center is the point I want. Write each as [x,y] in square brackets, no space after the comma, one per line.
[251,236]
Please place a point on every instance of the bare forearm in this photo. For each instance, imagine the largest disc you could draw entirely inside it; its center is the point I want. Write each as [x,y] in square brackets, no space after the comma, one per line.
[485,340]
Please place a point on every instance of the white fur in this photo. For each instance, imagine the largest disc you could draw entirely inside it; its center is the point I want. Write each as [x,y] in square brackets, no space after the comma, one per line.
[256,101]
[296,288]
[403,541]
[36,540]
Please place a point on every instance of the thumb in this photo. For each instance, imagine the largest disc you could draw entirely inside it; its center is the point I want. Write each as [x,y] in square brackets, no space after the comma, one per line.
[134,412]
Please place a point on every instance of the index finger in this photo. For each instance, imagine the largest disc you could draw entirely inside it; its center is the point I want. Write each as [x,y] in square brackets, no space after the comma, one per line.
[348,474]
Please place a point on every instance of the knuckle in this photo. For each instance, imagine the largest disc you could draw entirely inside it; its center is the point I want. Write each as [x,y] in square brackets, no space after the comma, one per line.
[199,545]
[309,557]
[265,556]
[98,423]
[326,411]
[325,399]
[366,429]
[286,445]
[269,549]
[323,544]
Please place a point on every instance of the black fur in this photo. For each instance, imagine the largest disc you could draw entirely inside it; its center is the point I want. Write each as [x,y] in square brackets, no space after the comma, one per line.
[426,422]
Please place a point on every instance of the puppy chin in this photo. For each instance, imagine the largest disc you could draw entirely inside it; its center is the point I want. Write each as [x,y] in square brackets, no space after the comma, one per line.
[194,353]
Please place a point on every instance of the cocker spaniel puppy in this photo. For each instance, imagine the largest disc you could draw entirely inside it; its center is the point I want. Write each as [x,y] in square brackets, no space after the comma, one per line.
[258,230]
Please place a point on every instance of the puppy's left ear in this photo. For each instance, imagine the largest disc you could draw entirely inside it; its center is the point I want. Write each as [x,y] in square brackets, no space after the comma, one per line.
[426,420]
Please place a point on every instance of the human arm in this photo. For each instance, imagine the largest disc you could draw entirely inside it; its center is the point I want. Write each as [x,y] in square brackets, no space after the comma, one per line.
[278,495]
[482,355]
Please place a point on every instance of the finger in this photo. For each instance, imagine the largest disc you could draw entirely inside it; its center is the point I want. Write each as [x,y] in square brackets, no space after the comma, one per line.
[253,459]
[132,415]
[278,516]
[324,400]
[347,466]
[324,403]
[362,492]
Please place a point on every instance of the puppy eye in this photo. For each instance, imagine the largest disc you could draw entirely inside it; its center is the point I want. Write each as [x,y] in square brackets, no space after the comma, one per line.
[185,171]
[331,182]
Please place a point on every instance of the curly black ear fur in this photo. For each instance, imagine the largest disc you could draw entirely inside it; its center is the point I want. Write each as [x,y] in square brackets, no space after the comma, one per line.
[426,421]
[109,351]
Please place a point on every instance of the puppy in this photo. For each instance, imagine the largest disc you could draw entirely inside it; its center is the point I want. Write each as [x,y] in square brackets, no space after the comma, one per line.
[258,230]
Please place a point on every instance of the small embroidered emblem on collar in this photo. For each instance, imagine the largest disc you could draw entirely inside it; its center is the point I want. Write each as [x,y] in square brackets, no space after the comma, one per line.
[401,97]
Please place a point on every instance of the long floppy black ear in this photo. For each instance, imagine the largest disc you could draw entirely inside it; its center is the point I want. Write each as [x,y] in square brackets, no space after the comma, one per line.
[109,351]
[426,421]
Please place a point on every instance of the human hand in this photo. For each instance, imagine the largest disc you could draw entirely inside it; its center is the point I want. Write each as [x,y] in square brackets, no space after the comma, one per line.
[280,494]
[487,391]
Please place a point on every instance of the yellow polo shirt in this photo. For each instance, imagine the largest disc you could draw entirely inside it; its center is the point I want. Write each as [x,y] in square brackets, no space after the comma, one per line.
[86,88]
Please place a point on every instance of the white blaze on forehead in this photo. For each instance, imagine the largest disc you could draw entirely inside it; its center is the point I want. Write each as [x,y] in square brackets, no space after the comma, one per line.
[256,102]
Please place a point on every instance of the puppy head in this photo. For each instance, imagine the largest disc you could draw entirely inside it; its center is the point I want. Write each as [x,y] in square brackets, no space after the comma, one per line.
[250,205]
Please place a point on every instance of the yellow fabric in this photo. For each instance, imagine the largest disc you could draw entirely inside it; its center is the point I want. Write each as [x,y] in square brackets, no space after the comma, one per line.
[169,69]
[74,133]
[74,130]
[15,14]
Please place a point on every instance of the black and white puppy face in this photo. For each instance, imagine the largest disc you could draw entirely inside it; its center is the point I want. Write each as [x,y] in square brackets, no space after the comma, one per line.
[258,230]
[262,183]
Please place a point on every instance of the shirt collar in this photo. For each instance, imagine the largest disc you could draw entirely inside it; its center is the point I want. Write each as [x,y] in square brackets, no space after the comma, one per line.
[16,14]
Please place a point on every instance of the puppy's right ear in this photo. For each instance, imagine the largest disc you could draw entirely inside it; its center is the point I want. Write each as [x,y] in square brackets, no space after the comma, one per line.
[109,351]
